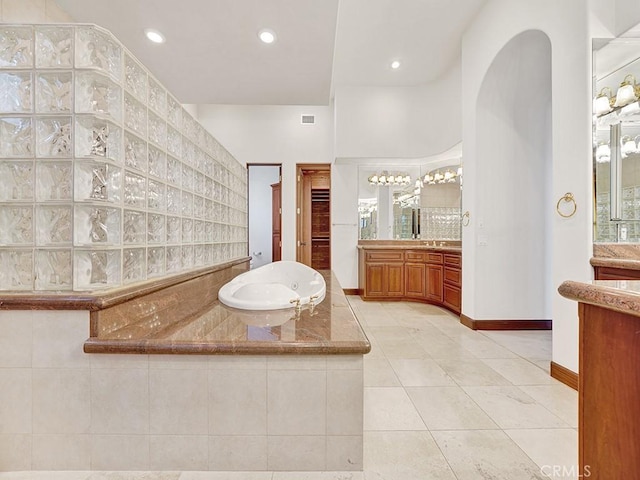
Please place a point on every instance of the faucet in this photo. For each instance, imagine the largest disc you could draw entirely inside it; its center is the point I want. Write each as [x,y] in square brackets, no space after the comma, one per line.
[312,304]
[296,302]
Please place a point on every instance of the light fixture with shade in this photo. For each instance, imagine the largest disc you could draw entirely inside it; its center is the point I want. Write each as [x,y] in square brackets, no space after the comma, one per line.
[154,35]
[628,146]
[627,92]
[386,179]
[441,176]
[267,36]
[603,102]
[603,153]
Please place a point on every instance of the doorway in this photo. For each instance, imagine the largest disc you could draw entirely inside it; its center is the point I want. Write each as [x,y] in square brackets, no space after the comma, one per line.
[264,213]
[314,215]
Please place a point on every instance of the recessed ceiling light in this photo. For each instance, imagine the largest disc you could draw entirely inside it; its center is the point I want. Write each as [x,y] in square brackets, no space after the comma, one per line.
[267,36]
[154,35]
[395,64]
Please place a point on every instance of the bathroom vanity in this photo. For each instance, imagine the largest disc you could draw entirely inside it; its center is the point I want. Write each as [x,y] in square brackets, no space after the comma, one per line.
[410,270]
[609,380]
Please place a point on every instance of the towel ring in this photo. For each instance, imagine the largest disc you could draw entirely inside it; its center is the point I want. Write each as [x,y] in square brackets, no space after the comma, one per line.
[567,197]
[466,218]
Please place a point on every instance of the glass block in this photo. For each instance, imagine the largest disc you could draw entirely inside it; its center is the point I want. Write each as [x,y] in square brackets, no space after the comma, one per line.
[135,152]
[95,269]
[53,92]
[135,115]
[174,141]
[155,228]
[54,225]
[208,188]
[208,165]
[217,233]
[135,78]
[174,171]
[208,232]
[174,200]
[198,206]
[16,269]
[157,97]
[16,47]
[16,225]
[94,225]
[155,261]
[157,130]
[135,187]
[187,256]
[199,159]
[53,269]
[188,151]
[174,229]
[208,209]
[97,181]
[53,47]
[173,259]
[134,227]
[54,181]
[217,253]
[157,163]
[16,181]
[96,93]
[208,254]
[187,230]
[16,92]
[53,137]
[187,204]
[188,126]
[198,255]
[174,112]
[96,48]
[95,137]
[134,268]
[16,137]
[156,195]
[217,192]
[198,183]
[187,177]
[198,231]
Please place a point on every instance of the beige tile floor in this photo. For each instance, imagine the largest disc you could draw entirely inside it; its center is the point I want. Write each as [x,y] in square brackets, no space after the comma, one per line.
[441,402]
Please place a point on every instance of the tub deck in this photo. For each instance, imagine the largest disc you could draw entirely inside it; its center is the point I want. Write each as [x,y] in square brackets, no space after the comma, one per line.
[144,326]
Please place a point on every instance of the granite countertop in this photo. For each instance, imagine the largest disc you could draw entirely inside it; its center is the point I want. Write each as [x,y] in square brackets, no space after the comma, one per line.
[625,263]
[619,295]
[331,328]
[416,246]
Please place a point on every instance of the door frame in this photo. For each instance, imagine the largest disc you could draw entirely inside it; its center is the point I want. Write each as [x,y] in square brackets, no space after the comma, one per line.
[304,221]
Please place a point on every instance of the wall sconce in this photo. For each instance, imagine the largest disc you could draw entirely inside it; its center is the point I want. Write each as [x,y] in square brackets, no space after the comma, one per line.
[386,179]
[603,153]
[603,103]
[628,91]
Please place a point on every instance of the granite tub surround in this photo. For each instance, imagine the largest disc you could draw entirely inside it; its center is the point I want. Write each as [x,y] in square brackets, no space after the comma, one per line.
[327,328]
[619,295]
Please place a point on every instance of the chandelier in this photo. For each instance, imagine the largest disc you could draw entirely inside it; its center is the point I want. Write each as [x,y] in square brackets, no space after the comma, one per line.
[386,179]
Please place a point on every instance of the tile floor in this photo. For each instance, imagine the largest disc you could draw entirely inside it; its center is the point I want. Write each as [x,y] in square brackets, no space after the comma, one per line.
[442,402]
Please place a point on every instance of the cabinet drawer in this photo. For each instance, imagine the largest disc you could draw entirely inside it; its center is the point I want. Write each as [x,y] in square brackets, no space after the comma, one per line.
[452,276]
[452,259]
[433,257]
[612,273]
[452,298]
[414,256]
[385,255]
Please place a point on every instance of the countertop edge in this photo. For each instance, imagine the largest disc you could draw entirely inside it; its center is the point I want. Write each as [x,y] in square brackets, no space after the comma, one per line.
[411,247]
[617,299]
[625,263]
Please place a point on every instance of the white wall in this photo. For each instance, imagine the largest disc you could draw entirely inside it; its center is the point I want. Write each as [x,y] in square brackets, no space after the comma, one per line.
[32,11]
[260,209]
[399,122]
[274,134]
[566,25]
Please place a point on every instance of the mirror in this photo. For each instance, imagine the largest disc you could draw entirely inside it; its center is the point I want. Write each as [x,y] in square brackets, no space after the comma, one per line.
[616,140]
[399,202]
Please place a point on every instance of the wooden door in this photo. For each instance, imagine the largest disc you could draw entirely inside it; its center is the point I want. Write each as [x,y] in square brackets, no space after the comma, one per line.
[310,178]
[276,222]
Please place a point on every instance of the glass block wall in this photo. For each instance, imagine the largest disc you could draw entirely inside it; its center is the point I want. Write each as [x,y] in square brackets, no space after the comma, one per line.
[104,178]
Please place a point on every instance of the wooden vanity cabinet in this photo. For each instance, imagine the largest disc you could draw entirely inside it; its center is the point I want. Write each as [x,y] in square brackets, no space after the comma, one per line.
[419,274]
[615,273]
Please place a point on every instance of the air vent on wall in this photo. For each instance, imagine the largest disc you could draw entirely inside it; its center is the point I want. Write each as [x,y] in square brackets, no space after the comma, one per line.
[308,119]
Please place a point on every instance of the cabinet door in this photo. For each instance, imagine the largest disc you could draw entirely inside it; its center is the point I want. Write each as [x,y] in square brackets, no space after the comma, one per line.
[375,273]
[395,279]
[415,280]
[434,283]
[452,298]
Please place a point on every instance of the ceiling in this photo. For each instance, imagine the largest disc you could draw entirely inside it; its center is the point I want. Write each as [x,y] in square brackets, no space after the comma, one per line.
[213,55]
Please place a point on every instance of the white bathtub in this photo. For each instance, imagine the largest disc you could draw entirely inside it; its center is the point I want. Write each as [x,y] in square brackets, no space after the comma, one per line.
[274,286]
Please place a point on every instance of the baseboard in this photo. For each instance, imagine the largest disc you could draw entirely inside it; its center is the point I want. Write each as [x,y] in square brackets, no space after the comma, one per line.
[505,324]
[351,291]
[564,375]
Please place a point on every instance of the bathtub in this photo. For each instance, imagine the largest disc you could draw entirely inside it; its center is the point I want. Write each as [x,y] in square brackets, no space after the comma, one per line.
[274,286]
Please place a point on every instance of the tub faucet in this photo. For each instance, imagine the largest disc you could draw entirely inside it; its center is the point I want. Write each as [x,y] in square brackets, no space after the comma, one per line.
[296,302]
[312,303]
